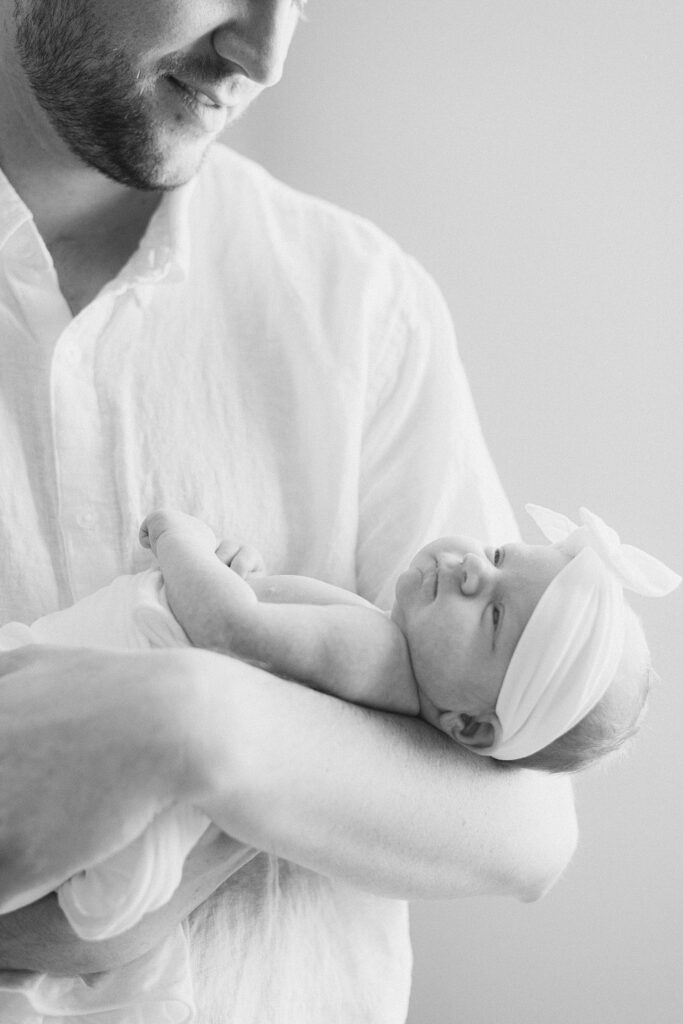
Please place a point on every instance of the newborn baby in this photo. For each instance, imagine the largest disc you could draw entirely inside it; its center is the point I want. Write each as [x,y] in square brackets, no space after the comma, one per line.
[525,653]
[506,649]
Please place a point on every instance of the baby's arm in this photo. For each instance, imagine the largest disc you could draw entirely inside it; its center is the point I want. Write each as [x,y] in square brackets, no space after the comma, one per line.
[320,635]
[201,589]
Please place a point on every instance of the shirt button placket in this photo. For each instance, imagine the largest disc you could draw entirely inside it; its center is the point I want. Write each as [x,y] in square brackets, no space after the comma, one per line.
[83,469]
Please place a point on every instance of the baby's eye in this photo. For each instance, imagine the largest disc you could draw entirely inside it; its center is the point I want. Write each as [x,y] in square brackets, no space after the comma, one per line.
[495,614]
[497,555]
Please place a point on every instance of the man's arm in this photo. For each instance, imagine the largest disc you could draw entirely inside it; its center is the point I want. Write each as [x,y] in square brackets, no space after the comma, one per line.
[382,801]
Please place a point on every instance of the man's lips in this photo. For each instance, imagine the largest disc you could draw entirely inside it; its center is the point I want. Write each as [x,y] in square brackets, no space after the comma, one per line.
[205,94]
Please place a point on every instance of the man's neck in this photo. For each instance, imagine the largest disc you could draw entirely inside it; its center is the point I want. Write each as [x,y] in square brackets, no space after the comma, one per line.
[77,204]
[90,224]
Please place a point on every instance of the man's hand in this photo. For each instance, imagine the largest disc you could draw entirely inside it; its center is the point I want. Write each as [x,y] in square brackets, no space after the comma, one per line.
[93,745]
[39,938]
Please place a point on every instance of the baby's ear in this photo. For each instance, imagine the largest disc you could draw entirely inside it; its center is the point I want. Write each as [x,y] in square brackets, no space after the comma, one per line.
[476,732]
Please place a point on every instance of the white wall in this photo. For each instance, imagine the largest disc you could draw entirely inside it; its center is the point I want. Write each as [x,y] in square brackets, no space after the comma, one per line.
[530,155]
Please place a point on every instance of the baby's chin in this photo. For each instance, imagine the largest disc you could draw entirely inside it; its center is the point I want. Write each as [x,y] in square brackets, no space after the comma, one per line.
[428,709]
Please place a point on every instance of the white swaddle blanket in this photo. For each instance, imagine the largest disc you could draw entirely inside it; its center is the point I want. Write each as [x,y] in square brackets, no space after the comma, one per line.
[111,897]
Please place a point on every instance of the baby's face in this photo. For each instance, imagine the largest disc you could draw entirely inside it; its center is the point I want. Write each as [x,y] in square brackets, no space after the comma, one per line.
[462,608]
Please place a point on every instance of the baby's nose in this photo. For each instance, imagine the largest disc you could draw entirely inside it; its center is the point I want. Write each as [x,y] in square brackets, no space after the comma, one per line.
[474,574]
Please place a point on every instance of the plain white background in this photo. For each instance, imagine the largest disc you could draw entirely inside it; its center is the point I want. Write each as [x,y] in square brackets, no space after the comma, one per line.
[530,154]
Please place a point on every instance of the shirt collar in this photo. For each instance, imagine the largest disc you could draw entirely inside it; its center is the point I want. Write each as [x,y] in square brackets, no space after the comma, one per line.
[163,255]
[13,211]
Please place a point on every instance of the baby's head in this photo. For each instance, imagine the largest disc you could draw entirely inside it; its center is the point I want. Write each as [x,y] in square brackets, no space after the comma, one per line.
[528,653]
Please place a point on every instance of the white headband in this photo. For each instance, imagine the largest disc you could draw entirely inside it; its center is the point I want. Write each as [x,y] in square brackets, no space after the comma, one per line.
[569,651]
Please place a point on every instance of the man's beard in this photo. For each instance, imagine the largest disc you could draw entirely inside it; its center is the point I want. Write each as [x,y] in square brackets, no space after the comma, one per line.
[92,94]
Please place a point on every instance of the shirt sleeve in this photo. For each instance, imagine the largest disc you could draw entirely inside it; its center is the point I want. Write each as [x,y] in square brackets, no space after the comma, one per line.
[425,468]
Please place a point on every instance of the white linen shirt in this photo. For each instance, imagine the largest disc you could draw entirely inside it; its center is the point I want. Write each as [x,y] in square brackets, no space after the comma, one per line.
[282,370]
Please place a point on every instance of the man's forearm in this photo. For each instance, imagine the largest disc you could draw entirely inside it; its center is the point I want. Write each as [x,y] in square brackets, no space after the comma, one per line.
[90,755]
[385,802]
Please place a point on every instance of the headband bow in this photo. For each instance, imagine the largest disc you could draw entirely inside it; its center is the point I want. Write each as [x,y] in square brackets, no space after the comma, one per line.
[569,651]
[636,570]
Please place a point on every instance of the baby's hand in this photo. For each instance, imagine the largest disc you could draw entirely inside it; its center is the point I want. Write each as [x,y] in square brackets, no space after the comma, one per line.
[167,522]
[243,559]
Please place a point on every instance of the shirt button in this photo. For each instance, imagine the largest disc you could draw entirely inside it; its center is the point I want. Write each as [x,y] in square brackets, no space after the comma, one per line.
[71,354]
[86,520]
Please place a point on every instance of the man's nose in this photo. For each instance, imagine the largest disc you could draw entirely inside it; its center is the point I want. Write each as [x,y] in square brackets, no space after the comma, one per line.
[476,574]
[256,37]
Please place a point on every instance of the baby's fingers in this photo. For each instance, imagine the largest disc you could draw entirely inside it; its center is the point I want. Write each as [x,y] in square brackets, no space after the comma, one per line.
[226,551]
[247,561]
[151,527]
[143,535]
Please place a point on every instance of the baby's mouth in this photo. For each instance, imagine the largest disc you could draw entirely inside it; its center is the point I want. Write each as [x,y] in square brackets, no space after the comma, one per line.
[431,574]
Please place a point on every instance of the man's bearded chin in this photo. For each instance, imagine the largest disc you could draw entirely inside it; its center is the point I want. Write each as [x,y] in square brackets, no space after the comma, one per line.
[93,97]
